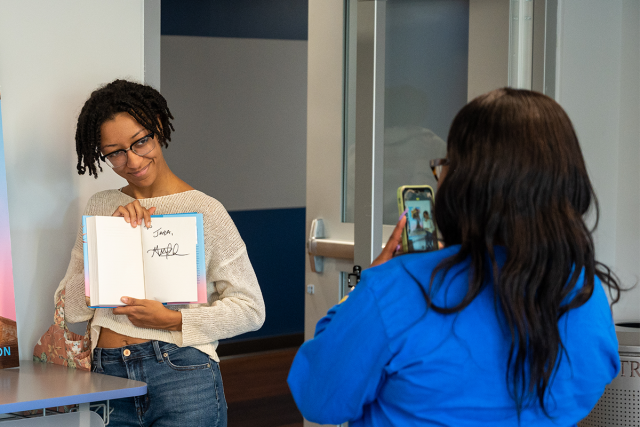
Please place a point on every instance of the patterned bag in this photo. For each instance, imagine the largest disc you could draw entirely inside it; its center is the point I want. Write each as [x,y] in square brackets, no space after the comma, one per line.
[61,346]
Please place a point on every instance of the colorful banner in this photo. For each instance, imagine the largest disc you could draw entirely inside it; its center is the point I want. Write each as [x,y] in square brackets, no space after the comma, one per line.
[8,328]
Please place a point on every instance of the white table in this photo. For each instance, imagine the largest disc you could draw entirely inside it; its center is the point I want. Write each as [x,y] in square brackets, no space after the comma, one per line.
[36,385]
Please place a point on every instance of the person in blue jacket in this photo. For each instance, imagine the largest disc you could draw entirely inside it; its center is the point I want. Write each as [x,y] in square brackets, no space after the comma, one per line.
[507,325]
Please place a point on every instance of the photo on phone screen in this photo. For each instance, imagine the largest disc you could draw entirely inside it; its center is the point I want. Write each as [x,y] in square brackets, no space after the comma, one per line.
[420,233]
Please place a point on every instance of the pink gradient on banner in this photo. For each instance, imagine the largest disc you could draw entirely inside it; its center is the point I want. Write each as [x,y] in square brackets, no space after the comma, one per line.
[7,299]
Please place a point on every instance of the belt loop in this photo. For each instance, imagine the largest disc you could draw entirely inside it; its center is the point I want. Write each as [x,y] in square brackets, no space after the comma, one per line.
[97,357]
[156,349]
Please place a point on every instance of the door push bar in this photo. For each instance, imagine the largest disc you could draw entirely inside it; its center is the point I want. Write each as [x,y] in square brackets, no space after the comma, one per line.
[319,247]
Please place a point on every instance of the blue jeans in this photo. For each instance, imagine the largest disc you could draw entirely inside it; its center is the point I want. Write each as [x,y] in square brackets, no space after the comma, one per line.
[184,386]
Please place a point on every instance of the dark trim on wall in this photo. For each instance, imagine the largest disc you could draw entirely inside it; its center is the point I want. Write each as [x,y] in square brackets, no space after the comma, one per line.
[275,240]
[235,348]
[256,19]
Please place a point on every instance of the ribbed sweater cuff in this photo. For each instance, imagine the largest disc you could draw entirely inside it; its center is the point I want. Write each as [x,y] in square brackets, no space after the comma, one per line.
[191,333]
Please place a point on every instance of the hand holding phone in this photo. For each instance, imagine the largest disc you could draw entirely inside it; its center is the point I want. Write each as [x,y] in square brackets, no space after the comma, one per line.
[394,241]
[420,233]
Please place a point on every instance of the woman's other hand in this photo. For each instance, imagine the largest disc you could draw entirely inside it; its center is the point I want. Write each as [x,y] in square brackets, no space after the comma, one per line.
[394,244]
[134,214]
[145,313]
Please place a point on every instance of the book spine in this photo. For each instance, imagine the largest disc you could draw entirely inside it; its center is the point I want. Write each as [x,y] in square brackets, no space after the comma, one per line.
[201,262]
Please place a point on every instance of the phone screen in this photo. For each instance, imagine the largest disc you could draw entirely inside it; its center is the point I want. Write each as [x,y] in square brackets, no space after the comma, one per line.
[421,227]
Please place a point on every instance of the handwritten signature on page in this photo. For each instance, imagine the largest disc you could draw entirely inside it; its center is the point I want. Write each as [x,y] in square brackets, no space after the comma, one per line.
[161,232]
[169,251]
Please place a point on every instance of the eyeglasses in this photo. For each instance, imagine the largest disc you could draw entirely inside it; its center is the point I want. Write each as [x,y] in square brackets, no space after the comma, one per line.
[141,147]
[437,165]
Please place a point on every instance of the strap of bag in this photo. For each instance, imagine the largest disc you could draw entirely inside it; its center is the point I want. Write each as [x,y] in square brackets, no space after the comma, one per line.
[58,315]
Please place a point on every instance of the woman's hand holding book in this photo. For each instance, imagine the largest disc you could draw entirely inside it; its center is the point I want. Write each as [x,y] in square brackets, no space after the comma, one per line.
[150,314]
[133,213]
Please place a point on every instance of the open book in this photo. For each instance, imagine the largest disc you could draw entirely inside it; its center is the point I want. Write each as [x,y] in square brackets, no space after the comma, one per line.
[163,263]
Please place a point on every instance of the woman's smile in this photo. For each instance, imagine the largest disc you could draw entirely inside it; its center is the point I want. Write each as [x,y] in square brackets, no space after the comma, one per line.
[141,172]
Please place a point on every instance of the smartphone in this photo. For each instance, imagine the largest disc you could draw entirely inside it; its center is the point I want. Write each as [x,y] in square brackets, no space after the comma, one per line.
[420,233]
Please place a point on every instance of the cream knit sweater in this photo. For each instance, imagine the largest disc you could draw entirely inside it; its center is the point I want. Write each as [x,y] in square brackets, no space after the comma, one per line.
[235,302]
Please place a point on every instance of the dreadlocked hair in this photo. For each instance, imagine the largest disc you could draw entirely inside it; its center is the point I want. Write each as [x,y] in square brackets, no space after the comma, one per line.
[145,104]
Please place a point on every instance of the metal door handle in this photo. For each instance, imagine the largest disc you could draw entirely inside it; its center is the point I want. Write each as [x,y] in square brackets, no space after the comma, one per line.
[319,247]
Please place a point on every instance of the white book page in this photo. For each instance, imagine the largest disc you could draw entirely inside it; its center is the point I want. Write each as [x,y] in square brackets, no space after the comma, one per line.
[169,252]
[119,253]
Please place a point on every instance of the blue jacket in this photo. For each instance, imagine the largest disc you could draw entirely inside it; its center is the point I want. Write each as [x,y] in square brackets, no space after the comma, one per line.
[381,359]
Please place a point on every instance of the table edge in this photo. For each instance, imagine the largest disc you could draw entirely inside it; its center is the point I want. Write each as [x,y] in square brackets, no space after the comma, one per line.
[74,399]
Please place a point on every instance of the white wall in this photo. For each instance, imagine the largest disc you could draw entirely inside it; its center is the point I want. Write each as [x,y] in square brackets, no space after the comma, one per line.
[241,105]
[598,83]
[488,46]
[52,55]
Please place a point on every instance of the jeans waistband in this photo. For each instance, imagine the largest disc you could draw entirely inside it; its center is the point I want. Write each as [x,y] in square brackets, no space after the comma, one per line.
[134,351]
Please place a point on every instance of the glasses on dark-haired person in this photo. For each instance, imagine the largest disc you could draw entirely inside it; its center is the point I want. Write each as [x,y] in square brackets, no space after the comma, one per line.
[141,147]
[437,167]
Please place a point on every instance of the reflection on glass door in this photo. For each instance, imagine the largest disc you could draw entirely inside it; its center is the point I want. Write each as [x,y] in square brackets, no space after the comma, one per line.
[426,74]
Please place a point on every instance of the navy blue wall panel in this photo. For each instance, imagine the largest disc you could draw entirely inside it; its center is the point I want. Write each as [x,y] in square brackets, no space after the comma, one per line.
[275,240]
[260,19]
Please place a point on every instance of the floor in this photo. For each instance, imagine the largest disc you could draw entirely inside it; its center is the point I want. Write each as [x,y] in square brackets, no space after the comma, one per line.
[256,390]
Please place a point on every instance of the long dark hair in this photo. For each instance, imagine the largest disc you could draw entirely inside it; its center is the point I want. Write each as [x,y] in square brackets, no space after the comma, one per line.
[517,178]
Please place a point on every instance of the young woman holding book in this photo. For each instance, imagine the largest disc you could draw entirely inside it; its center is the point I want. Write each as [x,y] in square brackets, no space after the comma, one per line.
[172,348]
[509,323]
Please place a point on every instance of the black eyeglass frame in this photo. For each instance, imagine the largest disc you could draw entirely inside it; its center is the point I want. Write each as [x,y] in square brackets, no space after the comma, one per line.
[434,163]
[108,162]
